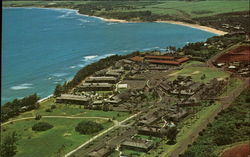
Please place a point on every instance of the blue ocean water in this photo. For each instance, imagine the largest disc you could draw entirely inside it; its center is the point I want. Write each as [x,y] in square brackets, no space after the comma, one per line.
[43,47]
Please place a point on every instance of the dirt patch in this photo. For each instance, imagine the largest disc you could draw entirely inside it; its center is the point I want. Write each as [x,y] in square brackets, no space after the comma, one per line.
[195,72]
[239,54]
[241,150]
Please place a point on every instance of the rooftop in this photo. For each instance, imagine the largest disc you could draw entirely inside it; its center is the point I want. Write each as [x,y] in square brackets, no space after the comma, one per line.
[159,57]
[73,97]
[97,85]
[164,62]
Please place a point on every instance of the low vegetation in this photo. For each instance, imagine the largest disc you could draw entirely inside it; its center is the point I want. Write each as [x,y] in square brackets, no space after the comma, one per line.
[8,145]
[41,126]
[17,106]
[213,45]
[231,126]
[54,142]
[88,127]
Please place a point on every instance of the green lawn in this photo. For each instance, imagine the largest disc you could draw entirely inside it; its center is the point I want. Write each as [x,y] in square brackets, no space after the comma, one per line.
[196,70]
[232,84]
[197,8]
[72,110]
[57,141]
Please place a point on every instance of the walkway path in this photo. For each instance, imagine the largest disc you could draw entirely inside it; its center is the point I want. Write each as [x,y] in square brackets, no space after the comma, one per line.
[102,133]
[68,117]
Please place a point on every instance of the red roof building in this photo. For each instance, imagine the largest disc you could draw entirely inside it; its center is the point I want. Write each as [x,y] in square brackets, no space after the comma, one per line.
[159,57]
[137,59]
[164,62]
[183,59]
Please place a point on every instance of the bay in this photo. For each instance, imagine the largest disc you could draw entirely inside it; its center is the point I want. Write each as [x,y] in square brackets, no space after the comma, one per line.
[44,47]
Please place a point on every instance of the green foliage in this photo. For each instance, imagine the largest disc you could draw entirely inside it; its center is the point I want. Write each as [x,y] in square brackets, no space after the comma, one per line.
[231,126]
[88,127]
[58,90]
[41,126]
[17,106]
[38,117]
[8,146]
[199,49]
[171,134]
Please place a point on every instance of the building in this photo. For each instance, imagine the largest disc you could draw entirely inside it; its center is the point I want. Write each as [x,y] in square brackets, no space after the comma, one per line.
[102,152]
[150,131]
[137,59]
[96,87]
[167,62]
[72,99]
[138,145]
[103,79]
[150,57]
[113,73]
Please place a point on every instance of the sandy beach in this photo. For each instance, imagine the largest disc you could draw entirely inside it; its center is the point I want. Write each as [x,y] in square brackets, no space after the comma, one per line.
[196,26]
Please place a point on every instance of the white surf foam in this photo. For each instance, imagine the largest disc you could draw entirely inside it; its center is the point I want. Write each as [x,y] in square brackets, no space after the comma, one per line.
[59,74]
[90,57]
[83,20]
[72,67]
[22,86]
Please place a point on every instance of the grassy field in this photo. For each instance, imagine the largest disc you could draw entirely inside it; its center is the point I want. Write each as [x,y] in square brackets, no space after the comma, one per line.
[57,141]
[72,110]
[232,84]
[196,70]
[175,9]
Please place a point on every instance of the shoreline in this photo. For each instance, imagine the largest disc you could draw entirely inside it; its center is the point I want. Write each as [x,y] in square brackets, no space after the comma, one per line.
[195,26]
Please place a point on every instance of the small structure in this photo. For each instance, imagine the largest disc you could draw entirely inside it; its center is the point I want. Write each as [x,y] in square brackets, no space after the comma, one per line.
[101,72]
[137,59]
[72,99]
[102,152]
[138,145]
[150,131]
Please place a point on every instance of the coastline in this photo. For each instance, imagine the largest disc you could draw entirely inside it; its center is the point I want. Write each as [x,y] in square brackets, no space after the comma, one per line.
[196,26]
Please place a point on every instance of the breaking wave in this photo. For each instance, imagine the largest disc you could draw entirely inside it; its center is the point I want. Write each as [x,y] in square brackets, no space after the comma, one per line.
[22,86]
[90,57]
[59,74]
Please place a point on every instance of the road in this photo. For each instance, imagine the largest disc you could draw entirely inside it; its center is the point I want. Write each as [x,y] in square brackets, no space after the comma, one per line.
[225,103]
[102,133]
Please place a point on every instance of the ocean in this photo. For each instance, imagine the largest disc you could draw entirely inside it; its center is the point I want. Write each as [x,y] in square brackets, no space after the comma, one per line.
[44,47]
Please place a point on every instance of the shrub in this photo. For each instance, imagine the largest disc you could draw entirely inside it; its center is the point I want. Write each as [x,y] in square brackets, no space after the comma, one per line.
[38,117]
[53,107]
[88,127]
[223,140]
[48,110]
[41,126]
